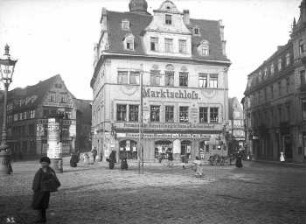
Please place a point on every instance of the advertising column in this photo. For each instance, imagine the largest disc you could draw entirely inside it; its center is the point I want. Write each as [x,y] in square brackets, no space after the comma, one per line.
[54,145]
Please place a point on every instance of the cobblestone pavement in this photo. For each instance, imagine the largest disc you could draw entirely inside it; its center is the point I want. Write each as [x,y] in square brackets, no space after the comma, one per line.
[257,193]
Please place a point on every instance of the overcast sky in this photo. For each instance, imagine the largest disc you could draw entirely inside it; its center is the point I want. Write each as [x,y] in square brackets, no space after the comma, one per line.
[52,37]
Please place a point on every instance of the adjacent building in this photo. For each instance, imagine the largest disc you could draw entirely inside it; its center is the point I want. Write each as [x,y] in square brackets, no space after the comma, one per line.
[236,124]
[83,125]
[28,110]
[182,65]
[275,100]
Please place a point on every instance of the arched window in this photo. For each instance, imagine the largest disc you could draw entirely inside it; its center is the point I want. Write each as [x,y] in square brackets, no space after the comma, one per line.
[204,48]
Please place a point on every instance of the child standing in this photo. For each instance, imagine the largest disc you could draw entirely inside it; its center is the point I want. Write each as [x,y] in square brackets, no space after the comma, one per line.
[45,181]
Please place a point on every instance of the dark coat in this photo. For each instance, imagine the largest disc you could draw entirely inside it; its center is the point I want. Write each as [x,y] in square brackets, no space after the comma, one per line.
[42,188]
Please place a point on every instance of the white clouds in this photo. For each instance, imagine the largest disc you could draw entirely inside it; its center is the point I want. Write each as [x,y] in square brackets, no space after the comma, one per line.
[57,36]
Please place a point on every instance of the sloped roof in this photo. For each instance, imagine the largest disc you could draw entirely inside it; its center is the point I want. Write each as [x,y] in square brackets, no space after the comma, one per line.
[209,30]
[39,90]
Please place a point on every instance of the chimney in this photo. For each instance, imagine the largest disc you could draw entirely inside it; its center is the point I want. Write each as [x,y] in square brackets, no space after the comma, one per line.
[186,16]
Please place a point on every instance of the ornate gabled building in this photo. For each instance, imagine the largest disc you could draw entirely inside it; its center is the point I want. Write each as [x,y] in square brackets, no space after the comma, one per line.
[275,100]
[236,124]
[28,110]
[183,67]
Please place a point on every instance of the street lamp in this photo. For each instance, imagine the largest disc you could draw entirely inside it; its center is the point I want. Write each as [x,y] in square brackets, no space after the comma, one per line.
[7,66]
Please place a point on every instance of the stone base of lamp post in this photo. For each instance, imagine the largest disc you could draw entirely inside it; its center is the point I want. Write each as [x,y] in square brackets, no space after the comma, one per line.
[57,165]
[5,161]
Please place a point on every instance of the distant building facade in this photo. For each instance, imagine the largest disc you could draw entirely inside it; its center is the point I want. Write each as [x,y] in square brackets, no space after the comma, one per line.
[236,123]
[275,100]
[183,65]
[83,125]
[28,110]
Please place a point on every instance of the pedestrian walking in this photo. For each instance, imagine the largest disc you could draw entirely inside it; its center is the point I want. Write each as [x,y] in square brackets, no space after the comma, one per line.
[124,164]
[74,159]
[112,159]
[170,158]
[282,157]
[198,167]
[45,181]
[94,154]
[239,159]
[86,159]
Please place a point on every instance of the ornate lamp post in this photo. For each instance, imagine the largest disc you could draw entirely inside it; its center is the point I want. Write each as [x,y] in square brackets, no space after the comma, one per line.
[6,71]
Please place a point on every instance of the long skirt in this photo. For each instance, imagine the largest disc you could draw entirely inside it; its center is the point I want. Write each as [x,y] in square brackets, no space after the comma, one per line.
[41,200]
[238,163]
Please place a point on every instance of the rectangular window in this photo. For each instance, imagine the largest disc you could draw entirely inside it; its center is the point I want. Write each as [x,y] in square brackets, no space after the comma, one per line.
[52,97]
[133,116]
[184,114]
[121,112]
[123,77]
[134,77]
[213,81]
[214,115]
[169,114]
[168,45]
[203,115]
[64,98]
[168,19]
[155,78]
[125,25]
[280,114]
[130,44]
[15,117]
[182,46]
[272,92]
[32,114]
[279,65]
[183,79]
[154,44]
[302,77]
[155,113]
[169,78]
[203,80]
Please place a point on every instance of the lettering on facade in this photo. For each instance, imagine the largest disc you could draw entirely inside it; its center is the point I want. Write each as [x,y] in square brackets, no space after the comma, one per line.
[165,126]
[167,136]
[180,94]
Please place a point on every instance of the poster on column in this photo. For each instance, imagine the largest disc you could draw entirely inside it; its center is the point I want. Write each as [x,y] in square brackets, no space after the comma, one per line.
[54,145]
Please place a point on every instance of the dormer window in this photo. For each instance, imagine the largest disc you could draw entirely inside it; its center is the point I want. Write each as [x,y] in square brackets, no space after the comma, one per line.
[204,48]
[266,72]
[129,42]
[168,19]
[125,25]
[196,31]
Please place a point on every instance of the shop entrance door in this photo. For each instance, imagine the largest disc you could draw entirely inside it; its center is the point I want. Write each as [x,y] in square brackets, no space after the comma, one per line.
[186,148]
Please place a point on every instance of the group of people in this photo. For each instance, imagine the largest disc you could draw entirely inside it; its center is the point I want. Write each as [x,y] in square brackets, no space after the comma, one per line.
[112,160]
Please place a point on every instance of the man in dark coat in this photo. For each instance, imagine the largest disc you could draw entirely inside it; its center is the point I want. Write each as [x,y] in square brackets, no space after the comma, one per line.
[112,159]
[45,181]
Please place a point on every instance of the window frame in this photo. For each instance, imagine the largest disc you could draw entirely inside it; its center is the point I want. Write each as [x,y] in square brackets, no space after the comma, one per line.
[169,75]
[183,79]
[168,45]
[182,46]
[203,77]
[214,119]
[118,77]
[155,113]
[133,113]
[169,114]
[168,19]
[213,80]
[154,42]
[122,114]
[183,115]
[203,111]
